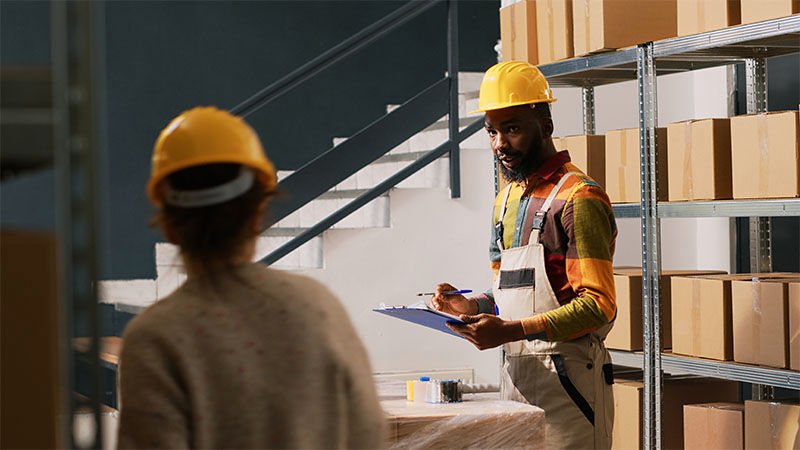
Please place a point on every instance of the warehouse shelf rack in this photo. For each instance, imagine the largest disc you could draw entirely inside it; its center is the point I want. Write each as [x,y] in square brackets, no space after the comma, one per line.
[714,48]
[677,364]
[720,208]
[750,44]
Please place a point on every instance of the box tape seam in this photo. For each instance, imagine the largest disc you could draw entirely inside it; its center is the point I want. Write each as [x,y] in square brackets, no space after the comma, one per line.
[686,188]
[763,155]
[774,429]
[696,317]
[550,31]
[756,318]
[587,15]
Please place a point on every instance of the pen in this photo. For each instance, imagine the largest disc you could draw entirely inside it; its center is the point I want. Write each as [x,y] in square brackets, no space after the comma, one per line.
[463,291]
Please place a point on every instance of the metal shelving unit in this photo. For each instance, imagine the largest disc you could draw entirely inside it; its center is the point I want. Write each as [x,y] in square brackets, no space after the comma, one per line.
[750,44]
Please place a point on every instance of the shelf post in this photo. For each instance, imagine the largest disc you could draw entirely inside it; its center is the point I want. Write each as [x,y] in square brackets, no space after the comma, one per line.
[77,38]
[651,248]
[760,227]
[452,117]
[587,94]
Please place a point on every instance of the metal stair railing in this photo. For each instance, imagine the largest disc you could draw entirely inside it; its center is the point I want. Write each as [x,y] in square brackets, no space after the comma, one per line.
[371,194]
[342,161]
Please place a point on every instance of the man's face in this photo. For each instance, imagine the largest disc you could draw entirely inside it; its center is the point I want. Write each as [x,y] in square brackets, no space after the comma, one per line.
[516,138]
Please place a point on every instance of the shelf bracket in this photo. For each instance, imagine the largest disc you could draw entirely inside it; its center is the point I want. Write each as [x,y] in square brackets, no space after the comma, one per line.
[760,227]
[651,248]
[587,94]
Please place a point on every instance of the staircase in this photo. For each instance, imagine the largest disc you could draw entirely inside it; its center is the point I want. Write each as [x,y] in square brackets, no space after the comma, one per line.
[131,296]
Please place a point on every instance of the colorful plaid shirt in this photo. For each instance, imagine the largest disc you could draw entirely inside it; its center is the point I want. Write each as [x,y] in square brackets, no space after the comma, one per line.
[578,237]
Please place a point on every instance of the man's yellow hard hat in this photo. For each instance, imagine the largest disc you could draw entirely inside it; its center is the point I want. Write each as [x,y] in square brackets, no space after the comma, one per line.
[206,135]
[513,83]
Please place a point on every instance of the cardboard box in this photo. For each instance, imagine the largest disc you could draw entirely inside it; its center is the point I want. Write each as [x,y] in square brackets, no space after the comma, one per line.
[761,321]
[758,10]
[764,156]
[794,325]
[602,25]
[588,152]
[699,160]
[698,16]
[626,334]
[678,391]
[518,32]
[773,425]
[702,318]
[623,165]
[480,421]
[713,426]
[30,341]
[554,30]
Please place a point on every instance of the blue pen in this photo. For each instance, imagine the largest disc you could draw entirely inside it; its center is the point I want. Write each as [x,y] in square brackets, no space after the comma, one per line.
[463,291]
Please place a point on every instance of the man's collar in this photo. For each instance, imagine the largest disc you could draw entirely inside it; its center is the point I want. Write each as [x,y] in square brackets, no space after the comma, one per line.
[550,167]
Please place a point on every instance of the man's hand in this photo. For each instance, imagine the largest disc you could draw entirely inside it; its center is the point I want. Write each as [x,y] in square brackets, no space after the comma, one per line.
[455,304]
[487,331]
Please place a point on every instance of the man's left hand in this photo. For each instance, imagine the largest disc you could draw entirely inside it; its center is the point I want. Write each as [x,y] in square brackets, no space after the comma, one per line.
[487,331]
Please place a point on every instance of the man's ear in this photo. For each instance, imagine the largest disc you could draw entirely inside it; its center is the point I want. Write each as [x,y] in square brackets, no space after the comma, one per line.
[546,125]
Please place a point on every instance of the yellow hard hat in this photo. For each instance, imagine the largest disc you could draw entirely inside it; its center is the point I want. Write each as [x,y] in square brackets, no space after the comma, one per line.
[512,83]
[206,135]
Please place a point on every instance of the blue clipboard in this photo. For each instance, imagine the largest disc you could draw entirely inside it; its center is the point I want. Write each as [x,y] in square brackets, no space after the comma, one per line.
[423,316]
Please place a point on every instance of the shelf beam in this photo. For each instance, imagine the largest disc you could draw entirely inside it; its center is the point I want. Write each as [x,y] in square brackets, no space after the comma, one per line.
[727,370]
[721,208]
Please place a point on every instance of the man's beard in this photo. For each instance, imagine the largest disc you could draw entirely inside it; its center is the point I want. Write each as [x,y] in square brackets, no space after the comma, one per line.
[525,167]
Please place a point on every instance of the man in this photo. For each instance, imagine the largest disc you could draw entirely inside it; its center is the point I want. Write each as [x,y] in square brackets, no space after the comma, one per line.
[552,303]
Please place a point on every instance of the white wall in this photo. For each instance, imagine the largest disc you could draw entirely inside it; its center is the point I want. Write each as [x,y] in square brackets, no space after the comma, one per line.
[434,238]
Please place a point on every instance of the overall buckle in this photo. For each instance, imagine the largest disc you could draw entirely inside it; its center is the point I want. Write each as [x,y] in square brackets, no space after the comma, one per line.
[538,219]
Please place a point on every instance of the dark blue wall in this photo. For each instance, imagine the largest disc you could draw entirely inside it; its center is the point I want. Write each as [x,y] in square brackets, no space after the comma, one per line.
[165,57]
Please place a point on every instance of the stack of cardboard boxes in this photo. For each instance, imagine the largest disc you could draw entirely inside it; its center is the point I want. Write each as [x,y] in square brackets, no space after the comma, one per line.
[750,318]
[678,391]
[752,425]
[545,31]
[627,331]
[752,156]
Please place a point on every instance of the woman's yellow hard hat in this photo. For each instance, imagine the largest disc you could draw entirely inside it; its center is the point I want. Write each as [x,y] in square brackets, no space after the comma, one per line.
[513,83]
[206,135]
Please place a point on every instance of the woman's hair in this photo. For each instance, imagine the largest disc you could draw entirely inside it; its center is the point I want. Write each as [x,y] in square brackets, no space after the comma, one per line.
[212,232]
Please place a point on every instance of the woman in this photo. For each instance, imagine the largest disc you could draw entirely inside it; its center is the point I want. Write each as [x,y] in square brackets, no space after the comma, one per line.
[240,355]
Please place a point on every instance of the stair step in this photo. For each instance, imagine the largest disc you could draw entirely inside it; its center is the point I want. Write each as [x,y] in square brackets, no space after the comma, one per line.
[139,293]
[373,214]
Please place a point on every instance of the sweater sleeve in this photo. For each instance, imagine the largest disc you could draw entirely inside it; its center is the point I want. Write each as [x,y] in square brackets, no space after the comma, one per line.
[154,408]
[588,221]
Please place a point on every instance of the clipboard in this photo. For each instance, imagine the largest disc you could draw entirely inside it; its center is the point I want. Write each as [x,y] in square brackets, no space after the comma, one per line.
[424,316]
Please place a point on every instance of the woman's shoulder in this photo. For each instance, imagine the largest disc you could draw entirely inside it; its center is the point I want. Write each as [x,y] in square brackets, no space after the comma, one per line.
[277,279]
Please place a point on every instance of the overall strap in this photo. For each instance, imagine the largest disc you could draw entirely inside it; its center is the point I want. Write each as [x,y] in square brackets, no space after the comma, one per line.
[538,218]
[499,225]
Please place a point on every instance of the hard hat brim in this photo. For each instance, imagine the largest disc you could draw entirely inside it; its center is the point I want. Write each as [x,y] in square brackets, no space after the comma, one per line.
[510,105]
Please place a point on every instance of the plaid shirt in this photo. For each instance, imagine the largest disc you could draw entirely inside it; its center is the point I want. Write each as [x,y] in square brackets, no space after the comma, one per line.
[578,237]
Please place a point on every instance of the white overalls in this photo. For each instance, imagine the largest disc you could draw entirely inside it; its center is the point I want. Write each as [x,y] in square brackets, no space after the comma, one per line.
[570,380]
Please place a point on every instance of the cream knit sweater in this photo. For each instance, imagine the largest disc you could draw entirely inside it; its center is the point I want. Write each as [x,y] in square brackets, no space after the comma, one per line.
[260,358]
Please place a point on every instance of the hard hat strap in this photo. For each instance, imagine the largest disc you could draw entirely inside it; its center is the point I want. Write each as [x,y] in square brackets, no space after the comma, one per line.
[210,196]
